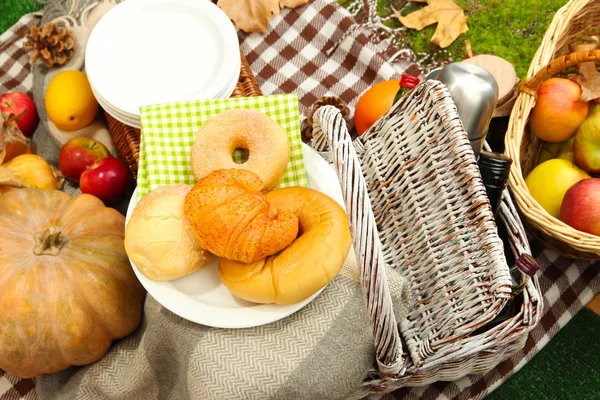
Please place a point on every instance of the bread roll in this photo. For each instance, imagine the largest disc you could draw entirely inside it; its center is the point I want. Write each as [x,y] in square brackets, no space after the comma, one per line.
[159,238]
[306,265]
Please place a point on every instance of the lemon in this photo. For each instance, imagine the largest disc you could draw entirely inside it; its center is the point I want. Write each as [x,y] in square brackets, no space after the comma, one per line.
[69,100]
[549,181]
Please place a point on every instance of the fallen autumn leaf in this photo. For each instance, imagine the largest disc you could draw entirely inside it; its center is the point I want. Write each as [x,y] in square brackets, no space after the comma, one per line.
[590,77]
[589,81]
[450,18]
[254,15]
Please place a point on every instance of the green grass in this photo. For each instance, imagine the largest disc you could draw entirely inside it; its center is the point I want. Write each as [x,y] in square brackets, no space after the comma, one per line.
[566,369]
[12,10]
[511,29]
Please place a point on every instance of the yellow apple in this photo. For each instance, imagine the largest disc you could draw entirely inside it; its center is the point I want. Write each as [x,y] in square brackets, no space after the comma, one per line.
[549,181]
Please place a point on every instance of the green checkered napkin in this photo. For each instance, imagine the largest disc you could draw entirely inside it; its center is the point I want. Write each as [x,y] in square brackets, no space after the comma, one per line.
[169,130]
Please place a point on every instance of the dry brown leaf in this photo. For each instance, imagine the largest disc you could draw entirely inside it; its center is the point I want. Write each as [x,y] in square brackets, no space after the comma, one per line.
[590,77]
[254,15]
[58,175]
[8,178]
[589,81]
[12,140]
[450,18]
[292,3]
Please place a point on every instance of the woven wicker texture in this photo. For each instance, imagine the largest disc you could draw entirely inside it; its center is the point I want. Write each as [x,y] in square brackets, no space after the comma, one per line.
[421,207]
[127,138]
[575,21]
[366,242]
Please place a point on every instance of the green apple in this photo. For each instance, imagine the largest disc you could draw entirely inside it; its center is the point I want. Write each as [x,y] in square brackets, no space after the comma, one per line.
[594,108]
[586,146]
[565,152]
[548,151]
[562,150]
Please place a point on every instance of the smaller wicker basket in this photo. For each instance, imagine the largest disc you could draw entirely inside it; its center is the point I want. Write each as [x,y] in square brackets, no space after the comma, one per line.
[127,138]
[576,20]
[416,204]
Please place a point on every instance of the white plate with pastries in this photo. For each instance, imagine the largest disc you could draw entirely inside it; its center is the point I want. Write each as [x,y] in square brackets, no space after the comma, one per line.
[202,298]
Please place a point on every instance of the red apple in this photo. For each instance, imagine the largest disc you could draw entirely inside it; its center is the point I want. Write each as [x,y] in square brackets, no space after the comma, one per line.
[557,112]
[78,153]
[581,206]
[23,106]
[107,179]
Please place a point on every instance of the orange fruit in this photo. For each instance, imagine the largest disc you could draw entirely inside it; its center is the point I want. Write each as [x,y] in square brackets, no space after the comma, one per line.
[69,101]
[373,103]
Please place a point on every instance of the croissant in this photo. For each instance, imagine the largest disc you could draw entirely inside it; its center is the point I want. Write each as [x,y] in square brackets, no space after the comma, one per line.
[231,218]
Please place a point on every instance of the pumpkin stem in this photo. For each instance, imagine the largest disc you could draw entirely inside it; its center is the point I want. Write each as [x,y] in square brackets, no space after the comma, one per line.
[49,242]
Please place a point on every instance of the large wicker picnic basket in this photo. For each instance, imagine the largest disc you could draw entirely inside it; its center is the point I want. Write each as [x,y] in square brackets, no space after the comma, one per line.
[416,203]
[578,20]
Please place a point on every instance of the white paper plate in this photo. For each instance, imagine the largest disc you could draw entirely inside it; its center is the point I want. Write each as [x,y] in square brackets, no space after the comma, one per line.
[134,120]
[201,297]
[129,120]
[118,115]
[158,51]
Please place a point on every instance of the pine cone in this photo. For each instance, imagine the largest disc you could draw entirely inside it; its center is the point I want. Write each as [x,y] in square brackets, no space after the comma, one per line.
[310,111]
[53,44]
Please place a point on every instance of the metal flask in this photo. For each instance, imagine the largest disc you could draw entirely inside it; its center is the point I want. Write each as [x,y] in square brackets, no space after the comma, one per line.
[475,93]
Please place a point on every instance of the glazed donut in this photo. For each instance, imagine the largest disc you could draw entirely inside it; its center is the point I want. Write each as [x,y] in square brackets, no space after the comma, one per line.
[310,262]
[266,141]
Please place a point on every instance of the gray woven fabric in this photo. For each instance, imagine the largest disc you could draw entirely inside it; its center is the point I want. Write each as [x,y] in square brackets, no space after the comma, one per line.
[323,351]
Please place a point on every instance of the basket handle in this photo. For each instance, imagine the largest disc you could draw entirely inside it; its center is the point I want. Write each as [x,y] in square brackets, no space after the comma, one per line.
[531,85]
[365,236]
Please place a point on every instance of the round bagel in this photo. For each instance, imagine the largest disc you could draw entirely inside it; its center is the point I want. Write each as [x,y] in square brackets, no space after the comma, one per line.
[265,140]
[310,262]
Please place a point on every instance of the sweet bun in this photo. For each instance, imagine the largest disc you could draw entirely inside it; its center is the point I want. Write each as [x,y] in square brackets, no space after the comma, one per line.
[266,141]
[159,238]
[313,259]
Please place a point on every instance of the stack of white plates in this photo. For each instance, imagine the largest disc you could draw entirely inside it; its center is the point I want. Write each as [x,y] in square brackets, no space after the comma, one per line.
[145,52]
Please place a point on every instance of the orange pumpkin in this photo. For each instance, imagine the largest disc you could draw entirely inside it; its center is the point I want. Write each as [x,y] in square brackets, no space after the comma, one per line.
[67,289]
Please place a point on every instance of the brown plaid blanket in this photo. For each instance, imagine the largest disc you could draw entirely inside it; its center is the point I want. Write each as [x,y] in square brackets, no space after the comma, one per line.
[293,56]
